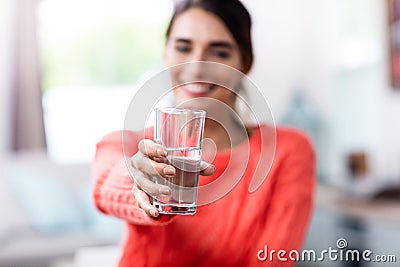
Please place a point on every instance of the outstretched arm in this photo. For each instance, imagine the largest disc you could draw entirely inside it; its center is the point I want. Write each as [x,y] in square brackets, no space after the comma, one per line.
[112,182]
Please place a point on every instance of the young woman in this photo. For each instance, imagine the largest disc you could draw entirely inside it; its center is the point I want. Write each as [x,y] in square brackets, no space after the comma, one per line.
[241,228]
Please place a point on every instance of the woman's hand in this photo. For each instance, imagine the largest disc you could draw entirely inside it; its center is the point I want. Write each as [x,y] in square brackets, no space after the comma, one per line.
[149,161]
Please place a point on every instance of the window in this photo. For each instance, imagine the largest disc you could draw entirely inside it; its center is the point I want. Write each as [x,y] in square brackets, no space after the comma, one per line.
[94,54]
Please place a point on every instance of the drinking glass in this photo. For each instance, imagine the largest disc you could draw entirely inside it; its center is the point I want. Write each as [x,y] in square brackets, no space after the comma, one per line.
[180,132]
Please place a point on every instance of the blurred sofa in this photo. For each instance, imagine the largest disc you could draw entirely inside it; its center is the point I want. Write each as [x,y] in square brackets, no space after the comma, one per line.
[47,212]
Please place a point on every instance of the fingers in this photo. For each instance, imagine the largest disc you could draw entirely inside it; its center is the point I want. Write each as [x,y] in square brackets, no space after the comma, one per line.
[152,167]
[150,148]
[151,160]
[157,164]
[143,201]
[207,169]
[149,187]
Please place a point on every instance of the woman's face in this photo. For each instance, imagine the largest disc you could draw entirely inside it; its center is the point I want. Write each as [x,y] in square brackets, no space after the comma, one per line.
[197,35]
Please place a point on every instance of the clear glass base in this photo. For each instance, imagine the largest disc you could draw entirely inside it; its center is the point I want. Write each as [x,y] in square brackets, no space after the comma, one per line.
[174,209]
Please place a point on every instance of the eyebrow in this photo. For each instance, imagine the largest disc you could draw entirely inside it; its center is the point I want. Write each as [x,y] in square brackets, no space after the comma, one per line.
[223,44]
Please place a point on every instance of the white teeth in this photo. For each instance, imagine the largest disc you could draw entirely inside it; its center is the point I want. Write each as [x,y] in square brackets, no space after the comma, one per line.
[197,88]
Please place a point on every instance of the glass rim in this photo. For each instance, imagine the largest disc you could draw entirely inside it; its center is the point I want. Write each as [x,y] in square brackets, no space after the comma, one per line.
[173,110]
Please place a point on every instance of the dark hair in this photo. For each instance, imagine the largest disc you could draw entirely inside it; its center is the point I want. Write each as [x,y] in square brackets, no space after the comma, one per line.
[235,17]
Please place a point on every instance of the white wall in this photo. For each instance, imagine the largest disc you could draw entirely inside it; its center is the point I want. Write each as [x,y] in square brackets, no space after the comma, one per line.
[337,51]
[6,37]
[290,44]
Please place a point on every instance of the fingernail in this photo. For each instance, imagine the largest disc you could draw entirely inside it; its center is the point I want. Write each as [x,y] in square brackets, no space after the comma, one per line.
[160,151]
[164,190]
[153,213]
[213,168]
[169,170]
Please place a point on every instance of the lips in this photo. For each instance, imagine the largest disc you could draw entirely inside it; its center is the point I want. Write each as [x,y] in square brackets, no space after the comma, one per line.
[198,89]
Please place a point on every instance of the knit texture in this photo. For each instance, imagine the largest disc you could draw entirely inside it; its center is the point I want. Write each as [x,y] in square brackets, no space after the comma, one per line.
[229,231]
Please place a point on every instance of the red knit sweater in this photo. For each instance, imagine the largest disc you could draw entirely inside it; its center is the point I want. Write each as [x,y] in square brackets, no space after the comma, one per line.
[228,232]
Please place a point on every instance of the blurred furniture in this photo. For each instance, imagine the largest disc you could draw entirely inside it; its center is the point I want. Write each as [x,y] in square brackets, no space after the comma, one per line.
[47,212]
[376,210]
[365,223]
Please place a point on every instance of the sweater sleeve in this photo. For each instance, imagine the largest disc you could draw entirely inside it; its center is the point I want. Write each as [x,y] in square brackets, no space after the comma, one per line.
[112,182]
[287,217]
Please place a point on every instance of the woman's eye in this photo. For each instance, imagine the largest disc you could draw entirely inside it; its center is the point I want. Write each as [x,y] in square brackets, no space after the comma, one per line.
[182,48]
[222,54]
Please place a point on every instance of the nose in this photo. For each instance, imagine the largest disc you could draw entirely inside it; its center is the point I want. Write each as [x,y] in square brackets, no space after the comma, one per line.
[198,54]
[193,71]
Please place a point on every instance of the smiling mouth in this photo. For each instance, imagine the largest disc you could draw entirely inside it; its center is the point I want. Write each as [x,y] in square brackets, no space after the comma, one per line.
[198,89]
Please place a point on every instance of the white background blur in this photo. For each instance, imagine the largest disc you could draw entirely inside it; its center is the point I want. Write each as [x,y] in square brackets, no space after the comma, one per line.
[335,52]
